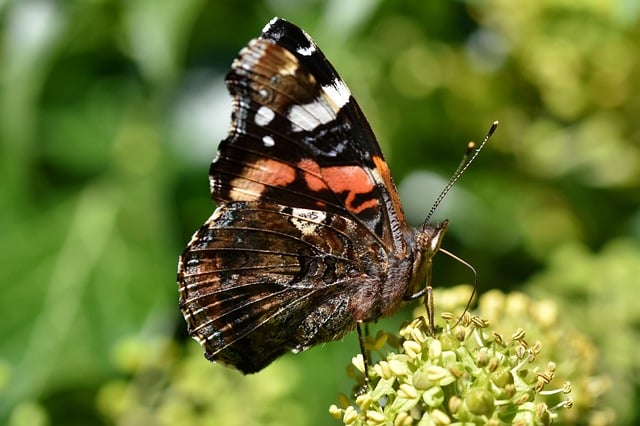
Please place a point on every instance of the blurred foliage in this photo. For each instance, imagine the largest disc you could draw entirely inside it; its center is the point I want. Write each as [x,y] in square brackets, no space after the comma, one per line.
[160,385]
[110,112]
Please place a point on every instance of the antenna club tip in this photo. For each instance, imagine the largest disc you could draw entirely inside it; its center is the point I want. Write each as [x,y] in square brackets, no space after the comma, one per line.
[492,129]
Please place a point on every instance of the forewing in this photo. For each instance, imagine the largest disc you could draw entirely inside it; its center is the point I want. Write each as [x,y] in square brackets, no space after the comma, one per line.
[260,279]
[298,138]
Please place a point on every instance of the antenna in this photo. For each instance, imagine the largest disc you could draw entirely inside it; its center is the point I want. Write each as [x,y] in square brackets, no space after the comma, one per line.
[467,159]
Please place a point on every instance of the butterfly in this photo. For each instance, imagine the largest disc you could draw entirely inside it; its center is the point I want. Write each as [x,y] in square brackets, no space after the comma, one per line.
[309,238]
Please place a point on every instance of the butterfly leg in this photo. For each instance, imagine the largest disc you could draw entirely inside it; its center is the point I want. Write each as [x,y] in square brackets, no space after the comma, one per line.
[428,304]
[363,351]
[427,292]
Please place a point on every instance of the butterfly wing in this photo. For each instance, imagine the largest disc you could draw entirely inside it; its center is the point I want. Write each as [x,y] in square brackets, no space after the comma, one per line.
[308,236]
[298,137]
[261,279]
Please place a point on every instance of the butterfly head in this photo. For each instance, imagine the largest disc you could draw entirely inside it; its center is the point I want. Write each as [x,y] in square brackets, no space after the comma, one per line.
[427,242]
[429,238]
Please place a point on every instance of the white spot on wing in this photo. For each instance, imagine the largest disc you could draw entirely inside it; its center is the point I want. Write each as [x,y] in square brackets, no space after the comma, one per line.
[321,110]
[264,115]
[268,141]
[307,221]
[338,92]
[269,24]
[307,51]
[311,115]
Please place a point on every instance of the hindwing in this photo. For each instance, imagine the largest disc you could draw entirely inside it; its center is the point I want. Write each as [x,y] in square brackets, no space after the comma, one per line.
[259,279]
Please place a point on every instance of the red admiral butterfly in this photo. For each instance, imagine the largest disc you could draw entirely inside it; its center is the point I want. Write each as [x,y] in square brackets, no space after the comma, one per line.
[309,238]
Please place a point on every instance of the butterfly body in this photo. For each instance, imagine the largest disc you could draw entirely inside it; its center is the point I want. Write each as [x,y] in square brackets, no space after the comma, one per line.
[308,238]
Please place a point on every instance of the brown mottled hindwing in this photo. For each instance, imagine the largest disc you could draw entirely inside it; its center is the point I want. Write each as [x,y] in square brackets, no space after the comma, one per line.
[261,279]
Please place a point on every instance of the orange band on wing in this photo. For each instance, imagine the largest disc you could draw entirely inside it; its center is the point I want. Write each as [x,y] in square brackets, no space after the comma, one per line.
[272,172]
[259,175]
[313,174]
[354,180]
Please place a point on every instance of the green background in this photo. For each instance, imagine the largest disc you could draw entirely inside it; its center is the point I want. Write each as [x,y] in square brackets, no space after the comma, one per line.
[111,111]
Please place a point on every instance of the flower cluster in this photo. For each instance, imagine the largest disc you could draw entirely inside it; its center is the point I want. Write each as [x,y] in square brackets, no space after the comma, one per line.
[465,373]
